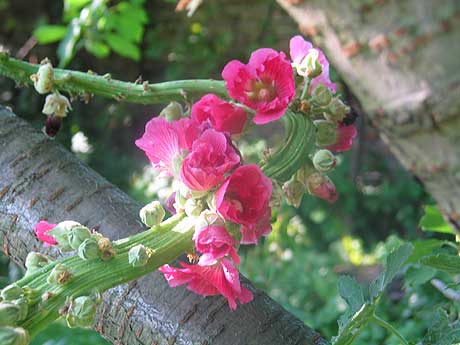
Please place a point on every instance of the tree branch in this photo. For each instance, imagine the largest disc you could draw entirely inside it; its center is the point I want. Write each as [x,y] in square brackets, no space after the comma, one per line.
[41,180]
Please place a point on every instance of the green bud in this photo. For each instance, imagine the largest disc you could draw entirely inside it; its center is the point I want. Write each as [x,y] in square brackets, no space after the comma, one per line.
[193,207]
[59,275]
[139,255]
[30,293]
[14,336]
[89,249]
[23,307]
[173,111]
[324,161]
[11,292]
[310,66]
[77,235]
[336,110]
[294,191]
[326,132]
[81,312]
[322,96]
[9,313]
[36,261]
[180,201]
[152,214]
[61,233]
[306,170]
[44,79]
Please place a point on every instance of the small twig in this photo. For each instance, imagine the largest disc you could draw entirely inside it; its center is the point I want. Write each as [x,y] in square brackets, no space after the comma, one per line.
[26,48]
[449,293]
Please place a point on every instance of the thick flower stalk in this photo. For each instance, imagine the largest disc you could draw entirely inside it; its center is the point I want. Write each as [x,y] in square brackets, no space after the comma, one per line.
[219,203]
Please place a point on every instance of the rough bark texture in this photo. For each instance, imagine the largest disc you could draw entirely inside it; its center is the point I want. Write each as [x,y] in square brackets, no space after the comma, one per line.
[401,59]
[41,180]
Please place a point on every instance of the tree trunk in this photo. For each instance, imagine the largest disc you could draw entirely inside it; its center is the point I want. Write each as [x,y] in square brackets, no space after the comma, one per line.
[41,180]
[401,59]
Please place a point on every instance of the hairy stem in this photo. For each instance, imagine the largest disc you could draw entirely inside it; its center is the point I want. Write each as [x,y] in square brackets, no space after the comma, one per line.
[84,84]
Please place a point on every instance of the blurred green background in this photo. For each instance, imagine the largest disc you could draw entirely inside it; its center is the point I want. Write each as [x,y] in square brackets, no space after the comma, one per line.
[299,263]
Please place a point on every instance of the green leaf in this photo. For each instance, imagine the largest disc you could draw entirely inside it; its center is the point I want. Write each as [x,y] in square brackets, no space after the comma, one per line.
[433,220]
[423,248]
[46,34]
[351,328]
[443,262]
[442,331]
[97,48]
[418,275]
[123,47]
[351,292]
[394,262]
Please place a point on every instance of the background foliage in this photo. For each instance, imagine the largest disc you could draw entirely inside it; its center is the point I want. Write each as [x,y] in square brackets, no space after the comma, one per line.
[301,262]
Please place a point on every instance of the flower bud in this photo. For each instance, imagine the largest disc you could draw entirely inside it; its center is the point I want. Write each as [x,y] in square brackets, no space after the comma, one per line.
[310,66]
[322,187]
[173,111]
[35,261]
[193,207]
[326,132]
[14,336]
[77,235]
[81,312]
[30,293]
[56,105]
[89,249]
[9,313]
[207,218]
[139,255]
[52,126]
[59,275]
[61,233]
[336,110]
[179,202]
[306,170]
[324,161]
[23,307]
[105,248]
[152,214]
[322,96]
[11,292]
[44,79]
[293,190]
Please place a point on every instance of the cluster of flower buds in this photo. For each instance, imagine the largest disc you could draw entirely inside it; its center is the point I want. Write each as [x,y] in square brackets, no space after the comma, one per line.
[227,200]
[56,105]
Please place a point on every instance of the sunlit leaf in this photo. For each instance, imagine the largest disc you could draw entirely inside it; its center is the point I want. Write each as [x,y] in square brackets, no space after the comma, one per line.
[443,262]
[123,47]
[46,34]
[433,220]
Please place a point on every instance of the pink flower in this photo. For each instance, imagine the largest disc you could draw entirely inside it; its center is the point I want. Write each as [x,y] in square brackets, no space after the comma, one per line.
[41,229]
[244,199]
[265,83]
[215,243]
[322,187]
[299,49]
[223,116]
[212,156]
[345,136]
[164,141]
[221,278]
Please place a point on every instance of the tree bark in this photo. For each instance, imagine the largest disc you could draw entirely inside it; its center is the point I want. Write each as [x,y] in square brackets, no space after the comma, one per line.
[39,179]
[401,59]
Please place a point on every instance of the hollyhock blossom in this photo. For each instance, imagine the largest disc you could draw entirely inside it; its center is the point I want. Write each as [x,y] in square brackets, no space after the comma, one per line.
[221,278]
[244,199]
[212,156]
[41,229]
[223,116]
[299,49]
[164,141]
[215,242]
[265,83]
[345,136]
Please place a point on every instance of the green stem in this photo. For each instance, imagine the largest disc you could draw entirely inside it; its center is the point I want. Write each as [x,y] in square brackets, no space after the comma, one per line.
[390,328]
[79,83]
[304,94]
[168,240]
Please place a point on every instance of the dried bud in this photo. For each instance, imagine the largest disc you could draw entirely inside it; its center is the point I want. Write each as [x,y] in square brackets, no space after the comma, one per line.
[9,313]
[44,79]
[35,261]
[89,249]
[77,235]
[326,132]
[139,255]
[336,110]
[56,105]
[59,275]
[81,312]
[324,161]
[61,233]
[14,336]
[11,292]
[293,190]
[173,111]
[322,187]
[306,170]
[105,248]
[193,207]
[52,126]
[152,214]
[322,96]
